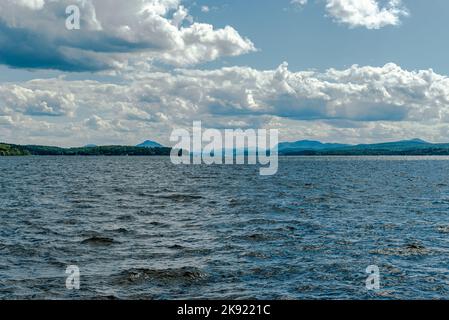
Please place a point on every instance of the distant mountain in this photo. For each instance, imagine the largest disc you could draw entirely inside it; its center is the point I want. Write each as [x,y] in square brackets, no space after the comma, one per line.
[150,144]
[90,146]
[388,147]
[308,145]
[397,144]
[417,141]
[404,147]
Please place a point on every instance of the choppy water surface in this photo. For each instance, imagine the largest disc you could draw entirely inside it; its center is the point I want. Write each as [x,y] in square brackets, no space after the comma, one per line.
[142,228]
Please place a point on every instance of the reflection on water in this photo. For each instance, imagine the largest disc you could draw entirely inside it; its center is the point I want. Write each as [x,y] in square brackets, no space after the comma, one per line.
[143,228]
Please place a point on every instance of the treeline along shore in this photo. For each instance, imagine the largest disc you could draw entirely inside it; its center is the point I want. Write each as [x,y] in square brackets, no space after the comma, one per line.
[27,150]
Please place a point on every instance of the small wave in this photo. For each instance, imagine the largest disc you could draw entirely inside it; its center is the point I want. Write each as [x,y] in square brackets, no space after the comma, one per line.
[69,221]
[411,249]
[126,217]
[312,247]
[257,237]
[107,298]
[176,247]
[253,254]
[98,241]
[159,224]
[121,230]
[237,202]
[185,275]
[390,294]
[20,250]
[181,197]
[443,229]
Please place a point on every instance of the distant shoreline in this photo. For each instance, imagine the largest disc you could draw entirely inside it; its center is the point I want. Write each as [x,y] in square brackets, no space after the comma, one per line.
[300,148]
[33,150]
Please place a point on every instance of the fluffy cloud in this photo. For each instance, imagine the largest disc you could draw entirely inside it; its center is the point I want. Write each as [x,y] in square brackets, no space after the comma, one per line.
[32,4]
[38,102]
[371,14]
[386,93]
[299,3]
[5,120]
[33,35]
[364,103]
[366,13]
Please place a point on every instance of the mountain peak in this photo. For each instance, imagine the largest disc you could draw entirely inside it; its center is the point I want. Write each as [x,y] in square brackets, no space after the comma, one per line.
[309,145]
[149,144]
[417,140]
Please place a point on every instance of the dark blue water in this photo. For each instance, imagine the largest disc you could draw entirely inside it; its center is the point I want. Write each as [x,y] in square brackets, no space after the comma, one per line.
[142,228]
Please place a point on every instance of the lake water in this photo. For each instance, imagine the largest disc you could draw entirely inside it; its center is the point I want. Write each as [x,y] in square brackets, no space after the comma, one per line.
[142,228]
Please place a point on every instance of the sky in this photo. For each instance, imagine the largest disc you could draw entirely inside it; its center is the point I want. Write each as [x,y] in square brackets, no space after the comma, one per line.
[348,71]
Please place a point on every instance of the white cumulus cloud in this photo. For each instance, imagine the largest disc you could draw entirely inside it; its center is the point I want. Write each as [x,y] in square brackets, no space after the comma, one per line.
[33,35]
[370,14]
